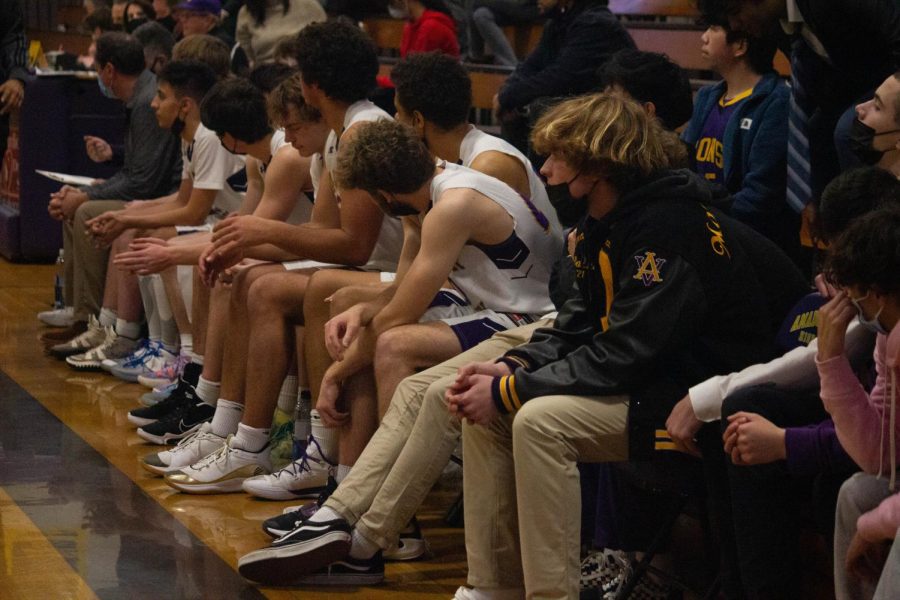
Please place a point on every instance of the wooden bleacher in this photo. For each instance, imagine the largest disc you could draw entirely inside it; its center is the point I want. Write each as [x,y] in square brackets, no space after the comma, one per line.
[665,26]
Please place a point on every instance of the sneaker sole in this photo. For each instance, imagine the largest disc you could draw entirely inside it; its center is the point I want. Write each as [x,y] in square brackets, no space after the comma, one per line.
[411,549]
[153,382]
[149,400]
[287,564]
[229,486]
[344,579]
[167,438]
[273,493]
[154,469]
[140,421]
[129,377]
[91,365]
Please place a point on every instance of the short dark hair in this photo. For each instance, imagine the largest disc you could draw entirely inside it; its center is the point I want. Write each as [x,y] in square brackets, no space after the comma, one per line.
[867,255]
[760,48]
[189,78]
[651,77]
[852,194]
[122,50]
[384,155]
[156,40]
[268,76]
[339,58]
[436,85]
[237,107]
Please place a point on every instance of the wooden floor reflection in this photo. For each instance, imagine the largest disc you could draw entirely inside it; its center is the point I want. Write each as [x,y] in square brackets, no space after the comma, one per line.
[94,407]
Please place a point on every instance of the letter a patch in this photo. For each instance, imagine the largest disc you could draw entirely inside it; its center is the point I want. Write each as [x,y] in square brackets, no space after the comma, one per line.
[648,268]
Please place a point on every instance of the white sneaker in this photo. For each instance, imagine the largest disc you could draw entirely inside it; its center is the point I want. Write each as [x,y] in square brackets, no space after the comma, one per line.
[221,472]
[306,477]
[95,335]
[59,317]
[113,347]
[189,450]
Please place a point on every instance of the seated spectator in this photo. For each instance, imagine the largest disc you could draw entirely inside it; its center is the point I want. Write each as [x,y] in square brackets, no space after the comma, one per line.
[486,21]
[118,13]
[208,50]
[164,15]
[137,12]
[261,24]
[429,28]
[96,24]
[863,264]
[738,132]
[157,42]
[875,118]
[151,169]
[785,463]
[574,393]
[201,17]
[579,37]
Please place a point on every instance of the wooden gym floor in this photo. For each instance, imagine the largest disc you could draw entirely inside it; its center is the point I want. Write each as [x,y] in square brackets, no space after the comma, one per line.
[79,518]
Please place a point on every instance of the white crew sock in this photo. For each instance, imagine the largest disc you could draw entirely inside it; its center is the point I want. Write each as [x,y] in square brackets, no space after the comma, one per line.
[226,418]
[107,317]
[362,547]
[342,471]
[148,297]
[327,437]
[187,345]
[208,391]
[128,329]
[325,514]
[168,327]
[251,439]
[302,428]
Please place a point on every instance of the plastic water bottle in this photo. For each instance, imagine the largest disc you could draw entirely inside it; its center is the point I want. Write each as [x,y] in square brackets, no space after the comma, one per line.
[59,281]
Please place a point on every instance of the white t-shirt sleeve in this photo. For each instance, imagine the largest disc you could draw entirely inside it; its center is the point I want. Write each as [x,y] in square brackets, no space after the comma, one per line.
[212,164]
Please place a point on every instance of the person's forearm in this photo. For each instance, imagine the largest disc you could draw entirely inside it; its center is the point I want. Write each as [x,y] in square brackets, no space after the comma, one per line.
[164,216]
[186,254]
[325,245]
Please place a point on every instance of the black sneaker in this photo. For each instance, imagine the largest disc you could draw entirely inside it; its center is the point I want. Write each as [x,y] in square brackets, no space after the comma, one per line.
[303,551]
[411,544]
[181,396]
[348,571]
[294,516]
[179,424]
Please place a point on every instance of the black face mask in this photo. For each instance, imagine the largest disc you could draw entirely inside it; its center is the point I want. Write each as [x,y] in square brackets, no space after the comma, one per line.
[177,126]
[861,138]
[133,24]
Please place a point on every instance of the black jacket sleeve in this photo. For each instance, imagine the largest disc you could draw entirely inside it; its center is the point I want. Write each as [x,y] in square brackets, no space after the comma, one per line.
[645,320]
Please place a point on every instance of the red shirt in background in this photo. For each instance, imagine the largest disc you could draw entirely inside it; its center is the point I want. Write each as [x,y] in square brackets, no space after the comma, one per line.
[432,31]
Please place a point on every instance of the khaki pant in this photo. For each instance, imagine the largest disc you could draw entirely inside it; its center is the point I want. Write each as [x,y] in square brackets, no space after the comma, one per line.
[411,446]
[522,485]
[85,265]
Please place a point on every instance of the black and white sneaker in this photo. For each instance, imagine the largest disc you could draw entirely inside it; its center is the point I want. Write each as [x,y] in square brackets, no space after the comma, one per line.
[182,396]
[303,551]
[410,546]
[293,516]
[179,424]
[348,571]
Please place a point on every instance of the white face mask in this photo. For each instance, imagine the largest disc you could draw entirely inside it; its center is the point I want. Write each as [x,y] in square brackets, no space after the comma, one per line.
[872,324]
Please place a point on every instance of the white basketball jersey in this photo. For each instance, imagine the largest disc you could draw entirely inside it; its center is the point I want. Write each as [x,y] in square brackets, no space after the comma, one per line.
[386,252]
[512,276]
[477,141]
[302,210]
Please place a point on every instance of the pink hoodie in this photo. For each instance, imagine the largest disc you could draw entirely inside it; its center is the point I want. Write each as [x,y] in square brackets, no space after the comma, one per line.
[858,416]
